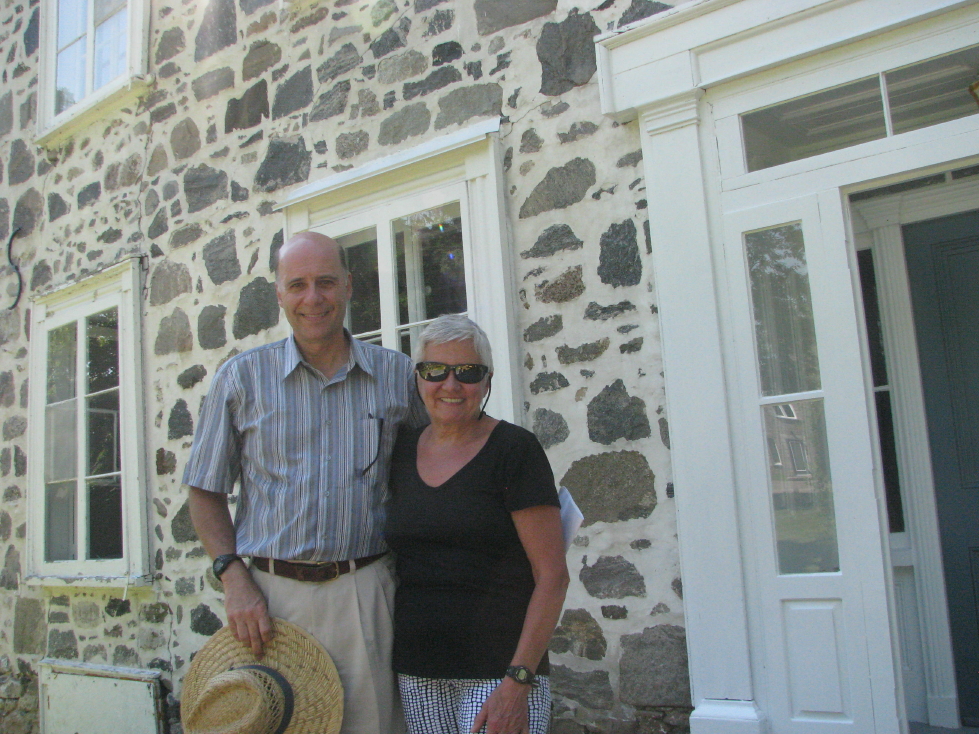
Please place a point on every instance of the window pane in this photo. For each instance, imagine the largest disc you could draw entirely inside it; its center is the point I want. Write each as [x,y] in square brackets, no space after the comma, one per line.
[62,356]
[431,271]
[817,123]
[70,84]
[60,441]
[784,328]
[72,18]
[364,311]
[802,491]
[103,433]
[110,49]
[105,518]
[933,91]
[106,8]
[59,521]
[102,331]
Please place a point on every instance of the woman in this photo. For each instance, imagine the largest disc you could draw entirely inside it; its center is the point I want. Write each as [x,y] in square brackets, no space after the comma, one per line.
[474,519]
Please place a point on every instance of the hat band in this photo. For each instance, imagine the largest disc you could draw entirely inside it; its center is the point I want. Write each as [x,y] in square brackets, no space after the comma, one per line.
[288,702]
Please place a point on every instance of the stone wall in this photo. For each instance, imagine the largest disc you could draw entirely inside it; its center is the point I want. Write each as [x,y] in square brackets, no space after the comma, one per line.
[251,99]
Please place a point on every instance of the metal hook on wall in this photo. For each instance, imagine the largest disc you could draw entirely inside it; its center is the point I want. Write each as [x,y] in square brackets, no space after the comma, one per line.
[20,278]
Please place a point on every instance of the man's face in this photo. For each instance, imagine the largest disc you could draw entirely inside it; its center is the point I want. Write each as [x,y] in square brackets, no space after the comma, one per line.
[313,289]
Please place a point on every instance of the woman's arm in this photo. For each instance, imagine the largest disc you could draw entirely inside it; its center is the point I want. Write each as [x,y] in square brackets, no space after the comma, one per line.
[539,528]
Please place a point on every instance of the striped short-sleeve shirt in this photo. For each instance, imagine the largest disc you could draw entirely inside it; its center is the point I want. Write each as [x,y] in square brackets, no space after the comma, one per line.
[310,455]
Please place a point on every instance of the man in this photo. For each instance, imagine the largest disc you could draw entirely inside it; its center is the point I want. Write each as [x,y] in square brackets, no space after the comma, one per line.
[306,426]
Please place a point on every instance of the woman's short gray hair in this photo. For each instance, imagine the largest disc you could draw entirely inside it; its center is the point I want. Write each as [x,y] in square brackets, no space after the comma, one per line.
[454,328]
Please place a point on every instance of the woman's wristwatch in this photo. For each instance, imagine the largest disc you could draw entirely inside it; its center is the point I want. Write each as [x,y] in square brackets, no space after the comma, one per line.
[521,674]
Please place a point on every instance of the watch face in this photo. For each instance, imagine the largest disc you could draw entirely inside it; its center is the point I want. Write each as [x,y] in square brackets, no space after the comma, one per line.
[522,675]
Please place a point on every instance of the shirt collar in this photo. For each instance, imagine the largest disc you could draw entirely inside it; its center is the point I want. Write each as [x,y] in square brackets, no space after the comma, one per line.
[358,356]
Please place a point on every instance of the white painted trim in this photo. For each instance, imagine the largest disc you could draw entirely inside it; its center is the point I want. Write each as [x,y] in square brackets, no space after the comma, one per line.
[57,665]
[427,151]
[728,717]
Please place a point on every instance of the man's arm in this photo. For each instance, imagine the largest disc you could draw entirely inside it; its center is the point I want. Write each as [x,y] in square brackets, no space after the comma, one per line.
[244,602]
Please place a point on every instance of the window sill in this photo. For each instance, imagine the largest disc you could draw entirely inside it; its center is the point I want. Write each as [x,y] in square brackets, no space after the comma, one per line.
[88,582]
[55,130]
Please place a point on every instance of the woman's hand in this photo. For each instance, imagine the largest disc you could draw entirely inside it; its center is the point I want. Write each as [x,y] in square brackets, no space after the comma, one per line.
[505,711]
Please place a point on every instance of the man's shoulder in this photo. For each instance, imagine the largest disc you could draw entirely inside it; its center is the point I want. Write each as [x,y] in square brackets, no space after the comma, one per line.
[381,357]
[261,355]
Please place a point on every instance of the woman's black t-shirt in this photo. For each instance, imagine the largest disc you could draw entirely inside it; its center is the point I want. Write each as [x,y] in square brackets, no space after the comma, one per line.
[464,581]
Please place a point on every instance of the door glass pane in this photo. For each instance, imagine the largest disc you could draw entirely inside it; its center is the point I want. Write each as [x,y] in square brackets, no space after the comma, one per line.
[364,310]
[62,355]
[103,433]
[106,8]
[816,123]
[785,332]
[102,331]
[70,82]
[933,91]
[431,271]
[59,521]
[72,18]
[60,441]
[802,490]
[105,518]
[110,48]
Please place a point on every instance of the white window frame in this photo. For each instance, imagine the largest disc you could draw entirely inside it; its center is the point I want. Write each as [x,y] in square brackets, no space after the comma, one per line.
[467,165]
[119,287]
[53,128]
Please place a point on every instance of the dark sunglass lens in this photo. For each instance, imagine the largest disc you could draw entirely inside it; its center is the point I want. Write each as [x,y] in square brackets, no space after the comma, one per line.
[433,371]
[470,373]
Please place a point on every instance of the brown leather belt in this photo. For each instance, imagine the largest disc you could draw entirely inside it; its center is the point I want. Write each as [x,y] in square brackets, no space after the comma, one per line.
[312,571]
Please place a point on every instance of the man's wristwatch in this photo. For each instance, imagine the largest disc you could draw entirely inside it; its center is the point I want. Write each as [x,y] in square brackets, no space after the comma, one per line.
[521,674]
[222,562]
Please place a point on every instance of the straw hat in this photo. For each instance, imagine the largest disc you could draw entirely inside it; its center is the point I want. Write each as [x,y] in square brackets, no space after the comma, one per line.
[293,689]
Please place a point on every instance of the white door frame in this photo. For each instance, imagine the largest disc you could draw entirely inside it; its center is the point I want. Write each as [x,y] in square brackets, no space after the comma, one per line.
[673,73]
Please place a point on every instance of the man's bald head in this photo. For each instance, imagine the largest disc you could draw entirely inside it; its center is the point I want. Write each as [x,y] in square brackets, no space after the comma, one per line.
[306,240]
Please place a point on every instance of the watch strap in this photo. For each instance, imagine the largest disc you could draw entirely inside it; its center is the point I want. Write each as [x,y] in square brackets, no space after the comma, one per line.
[222,562]
[521,674]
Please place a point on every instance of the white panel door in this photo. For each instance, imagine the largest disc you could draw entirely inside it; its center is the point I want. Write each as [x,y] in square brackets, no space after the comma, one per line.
[806,485]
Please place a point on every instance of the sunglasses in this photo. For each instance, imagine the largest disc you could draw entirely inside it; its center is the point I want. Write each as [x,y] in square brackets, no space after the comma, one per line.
[469,374]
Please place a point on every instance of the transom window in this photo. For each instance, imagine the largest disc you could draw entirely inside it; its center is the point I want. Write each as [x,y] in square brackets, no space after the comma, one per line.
[926,93]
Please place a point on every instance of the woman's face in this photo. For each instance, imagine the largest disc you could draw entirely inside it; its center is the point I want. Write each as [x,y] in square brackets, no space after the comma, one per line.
[451,401]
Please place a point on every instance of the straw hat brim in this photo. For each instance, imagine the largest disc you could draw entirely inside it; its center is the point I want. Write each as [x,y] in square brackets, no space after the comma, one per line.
[318,707]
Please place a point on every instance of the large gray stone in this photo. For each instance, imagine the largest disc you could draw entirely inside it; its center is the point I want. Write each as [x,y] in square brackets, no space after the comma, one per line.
[62,644]
[7,392]
[57,207]
[172,42]
[14,427]
[344,60]
[597,312]
[262,55]
[166,462]
[392,39]
[566,287]
[186,235]
[561,187]
[182,529]
[396,69]
[579,634]
[618,260]
[20,164]
[590,689]
[6,113]
[211,333]
[294,93]
[180,423]
[583,353]
[543,328]
[212,82]
[566,52]
[612,487]
[493,16]
[407,122]
[120,174]
[332,102]
[441,77]
[460,105]
[350,144]
[447,52]
[287,162]
[10,574]
[192,375]
[612,577]
[640,9]
[221,258]
[555,238]
[422,5]
[41,274]
[550,427]
[185,139]
[203,186]
[250,6]
[248,111]
[578,130]
[654,670]
[159,225]
[203,621]
[30,626]
[530,141]
[218,29]
[32,33]
[548,382]
[174,335]
[168,281]
[258,309]
[613,414]
[89,194]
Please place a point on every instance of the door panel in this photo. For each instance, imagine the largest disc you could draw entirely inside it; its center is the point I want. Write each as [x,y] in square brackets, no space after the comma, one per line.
[943,271]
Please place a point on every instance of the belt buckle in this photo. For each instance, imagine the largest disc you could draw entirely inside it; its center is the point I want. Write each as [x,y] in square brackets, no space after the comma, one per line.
[333,571]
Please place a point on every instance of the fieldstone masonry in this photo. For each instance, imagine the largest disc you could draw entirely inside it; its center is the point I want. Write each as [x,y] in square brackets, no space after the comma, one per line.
[251,99]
